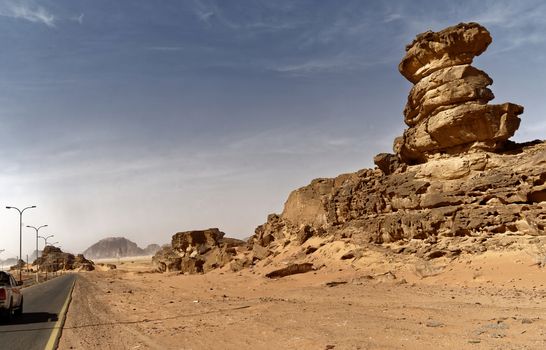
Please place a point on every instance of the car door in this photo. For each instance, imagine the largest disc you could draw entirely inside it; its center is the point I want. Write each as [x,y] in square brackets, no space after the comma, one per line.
[16,292]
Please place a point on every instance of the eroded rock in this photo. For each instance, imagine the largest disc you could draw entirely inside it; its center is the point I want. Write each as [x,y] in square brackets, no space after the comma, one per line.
[197,251]
[447,110]
[54,259]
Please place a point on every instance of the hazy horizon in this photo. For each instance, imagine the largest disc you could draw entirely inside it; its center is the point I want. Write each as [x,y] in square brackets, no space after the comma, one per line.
[140,120]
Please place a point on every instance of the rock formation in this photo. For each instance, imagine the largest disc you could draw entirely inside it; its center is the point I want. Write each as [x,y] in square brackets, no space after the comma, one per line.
[54,259]
[447,110]
[455,179]
[118,247]
[196,251]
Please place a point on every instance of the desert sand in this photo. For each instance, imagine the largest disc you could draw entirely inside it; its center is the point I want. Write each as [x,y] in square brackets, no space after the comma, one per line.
[495,300]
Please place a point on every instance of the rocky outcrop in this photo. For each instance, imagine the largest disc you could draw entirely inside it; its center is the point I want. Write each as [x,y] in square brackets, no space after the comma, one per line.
[447,110]
[118,247]
[197,252]
[83,264]
[455,177]
[477,194]
[54,259]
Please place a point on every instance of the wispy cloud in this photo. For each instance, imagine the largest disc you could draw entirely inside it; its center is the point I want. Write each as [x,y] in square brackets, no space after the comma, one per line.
[204,15]
[210,13]
[338,63]
[205,12]
[316,65]
[165,48]
[78,19]
[392,17]
[27,11]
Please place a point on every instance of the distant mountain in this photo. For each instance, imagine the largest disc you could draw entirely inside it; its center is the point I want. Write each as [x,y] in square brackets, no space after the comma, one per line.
[118,247]
[151,249]
[8,262]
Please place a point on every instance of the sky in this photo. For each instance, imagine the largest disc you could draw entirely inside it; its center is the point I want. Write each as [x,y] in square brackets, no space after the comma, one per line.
[144,118]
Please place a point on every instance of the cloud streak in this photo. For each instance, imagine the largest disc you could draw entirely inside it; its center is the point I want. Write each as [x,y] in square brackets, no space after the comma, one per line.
[27,11]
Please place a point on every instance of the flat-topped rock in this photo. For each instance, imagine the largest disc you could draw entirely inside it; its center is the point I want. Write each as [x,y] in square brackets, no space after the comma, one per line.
[431,51]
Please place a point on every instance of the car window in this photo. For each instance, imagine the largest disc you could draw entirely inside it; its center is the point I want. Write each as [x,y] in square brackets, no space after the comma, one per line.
[4,279]
[13,282]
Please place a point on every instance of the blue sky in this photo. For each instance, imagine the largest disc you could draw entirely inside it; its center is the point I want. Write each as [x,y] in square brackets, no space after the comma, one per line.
[144,118]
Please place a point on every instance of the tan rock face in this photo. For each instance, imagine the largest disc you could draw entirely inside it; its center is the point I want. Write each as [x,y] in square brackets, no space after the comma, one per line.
[452,46]
[469,195]
[447,110]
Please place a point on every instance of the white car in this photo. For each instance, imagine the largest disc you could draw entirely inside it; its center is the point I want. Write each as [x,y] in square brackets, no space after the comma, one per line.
[11,297]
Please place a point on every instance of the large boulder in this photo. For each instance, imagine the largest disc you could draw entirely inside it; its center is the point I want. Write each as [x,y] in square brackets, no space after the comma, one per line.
[199,240]
[197,251]
[54,259]
[83,264]
[452,46]
[166,259]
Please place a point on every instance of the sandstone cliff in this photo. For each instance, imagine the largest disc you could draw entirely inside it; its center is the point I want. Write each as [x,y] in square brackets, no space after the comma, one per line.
[455,180]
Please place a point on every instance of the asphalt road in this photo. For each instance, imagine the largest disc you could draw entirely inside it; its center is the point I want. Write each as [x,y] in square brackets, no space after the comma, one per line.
[42,306]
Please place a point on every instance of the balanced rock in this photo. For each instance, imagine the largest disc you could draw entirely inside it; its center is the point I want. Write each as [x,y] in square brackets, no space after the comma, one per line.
[447,110]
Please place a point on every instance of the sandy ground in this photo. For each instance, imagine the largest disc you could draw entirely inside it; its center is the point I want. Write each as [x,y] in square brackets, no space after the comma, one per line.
[491,301]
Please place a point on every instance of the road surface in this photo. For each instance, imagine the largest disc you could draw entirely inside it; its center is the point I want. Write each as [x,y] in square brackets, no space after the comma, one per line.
[38,327]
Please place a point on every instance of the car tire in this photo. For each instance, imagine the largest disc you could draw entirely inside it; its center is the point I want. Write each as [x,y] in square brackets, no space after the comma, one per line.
[9,310]
[19,310]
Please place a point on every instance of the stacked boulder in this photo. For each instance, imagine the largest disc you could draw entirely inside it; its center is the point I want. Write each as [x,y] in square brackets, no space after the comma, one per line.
[196,251]
[447,110]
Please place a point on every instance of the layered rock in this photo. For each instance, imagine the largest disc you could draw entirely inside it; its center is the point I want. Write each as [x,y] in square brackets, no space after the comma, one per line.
[447,110]
[471,195]
[197,252]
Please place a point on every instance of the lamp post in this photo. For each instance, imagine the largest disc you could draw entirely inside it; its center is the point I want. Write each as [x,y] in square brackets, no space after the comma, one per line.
[37,229]
[45,239]
[21,235]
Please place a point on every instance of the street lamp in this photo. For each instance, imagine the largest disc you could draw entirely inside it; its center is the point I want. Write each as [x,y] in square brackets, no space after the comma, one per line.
[21,235]
[45,239]
[1,251]
[37,229]
[37,268]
